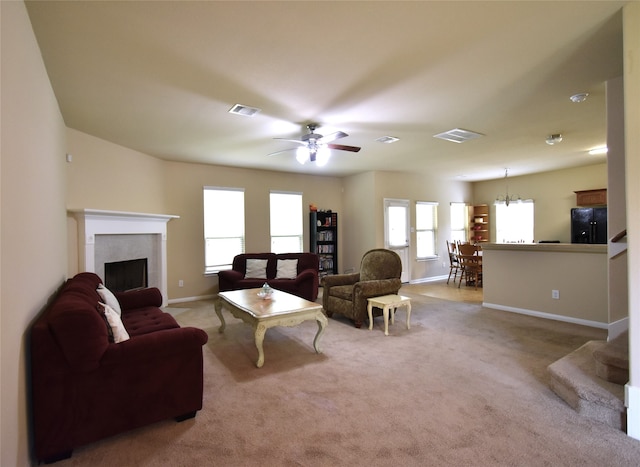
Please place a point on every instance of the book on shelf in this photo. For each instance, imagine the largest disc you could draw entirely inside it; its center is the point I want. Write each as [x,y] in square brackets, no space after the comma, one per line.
[325,249]
[325,236]
[326,263]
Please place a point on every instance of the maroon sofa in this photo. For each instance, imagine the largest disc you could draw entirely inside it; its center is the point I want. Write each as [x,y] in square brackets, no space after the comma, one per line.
[304,285]
[85,387]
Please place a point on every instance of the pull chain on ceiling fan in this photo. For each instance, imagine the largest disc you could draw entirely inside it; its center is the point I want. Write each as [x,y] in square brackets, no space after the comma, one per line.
[316,147]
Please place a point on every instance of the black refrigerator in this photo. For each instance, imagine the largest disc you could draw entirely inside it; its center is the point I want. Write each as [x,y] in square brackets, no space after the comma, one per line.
[589,225]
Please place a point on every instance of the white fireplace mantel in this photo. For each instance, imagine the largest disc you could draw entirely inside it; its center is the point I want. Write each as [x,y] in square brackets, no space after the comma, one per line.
[92,222]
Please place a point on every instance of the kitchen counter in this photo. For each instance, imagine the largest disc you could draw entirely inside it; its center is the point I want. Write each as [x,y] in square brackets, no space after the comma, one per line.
[525,278]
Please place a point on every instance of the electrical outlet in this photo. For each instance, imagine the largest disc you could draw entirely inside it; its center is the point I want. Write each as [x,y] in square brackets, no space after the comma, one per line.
[555,294]
[180,283]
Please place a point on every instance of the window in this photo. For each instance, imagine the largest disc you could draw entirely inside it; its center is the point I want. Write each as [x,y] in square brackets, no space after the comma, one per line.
[459,220]
[223,227]
[426,223]
[514,223]
[286,222]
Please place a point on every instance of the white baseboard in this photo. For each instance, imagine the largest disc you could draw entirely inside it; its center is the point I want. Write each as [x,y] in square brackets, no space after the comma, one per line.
[428,279]
[541,314]
[190,299]
[618,327]
[632,402]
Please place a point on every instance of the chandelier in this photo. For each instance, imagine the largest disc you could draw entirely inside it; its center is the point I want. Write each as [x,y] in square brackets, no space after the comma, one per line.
[507,199]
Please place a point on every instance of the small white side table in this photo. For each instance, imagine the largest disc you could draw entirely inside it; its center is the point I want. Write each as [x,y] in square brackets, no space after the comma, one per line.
[388,302]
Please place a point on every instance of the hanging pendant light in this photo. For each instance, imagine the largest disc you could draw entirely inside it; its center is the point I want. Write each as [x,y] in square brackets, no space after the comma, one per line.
[507,199]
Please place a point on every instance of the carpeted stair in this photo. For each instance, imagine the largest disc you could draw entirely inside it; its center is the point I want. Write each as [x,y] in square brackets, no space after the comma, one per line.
[591,380]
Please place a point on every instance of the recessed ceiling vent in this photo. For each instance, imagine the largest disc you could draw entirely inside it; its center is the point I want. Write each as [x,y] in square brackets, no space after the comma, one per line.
[244,110]
[458,135]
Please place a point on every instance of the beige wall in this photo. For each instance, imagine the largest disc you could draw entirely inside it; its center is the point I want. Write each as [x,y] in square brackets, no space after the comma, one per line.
[33,229]
[185,244]
[106,176]
[103,175]
[364,204]
[617,212]
[553,193]
[359,206]
[133,181]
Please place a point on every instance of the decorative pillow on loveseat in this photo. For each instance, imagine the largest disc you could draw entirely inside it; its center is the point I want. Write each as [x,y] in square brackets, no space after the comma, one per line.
[114,321]
[110,299]
[287,269]
[256,269]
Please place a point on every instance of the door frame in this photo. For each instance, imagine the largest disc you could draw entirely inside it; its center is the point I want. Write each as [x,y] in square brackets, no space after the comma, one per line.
[403,251]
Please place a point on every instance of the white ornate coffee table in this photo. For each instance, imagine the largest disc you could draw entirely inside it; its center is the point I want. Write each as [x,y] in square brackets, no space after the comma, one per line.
[282,309]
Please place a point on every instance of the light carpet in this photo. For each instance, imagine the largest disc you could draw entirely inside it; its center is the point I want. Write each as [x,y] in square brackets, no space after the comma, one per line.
[465,386]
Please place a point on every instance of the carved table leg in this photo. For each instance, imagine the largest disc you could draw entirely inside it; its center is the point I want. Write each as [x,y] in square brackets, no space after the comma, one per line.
[259,333]
[219,313]
[322,324]
[385,312]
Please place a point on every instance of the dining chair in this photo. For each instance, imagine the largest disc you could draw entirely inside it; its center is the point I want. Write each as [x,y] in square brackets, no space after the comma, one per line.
[454,264]
[467,249]
[471,265]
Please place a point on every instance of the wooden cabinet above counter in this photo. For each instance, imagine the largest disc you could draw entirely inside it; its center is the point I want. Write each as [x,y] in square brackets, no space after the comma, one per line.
[591,197]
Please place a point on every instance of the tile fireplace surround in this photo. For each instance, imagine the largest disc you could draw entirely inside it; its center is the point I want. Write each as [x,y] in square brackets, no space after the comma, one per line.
[105,236]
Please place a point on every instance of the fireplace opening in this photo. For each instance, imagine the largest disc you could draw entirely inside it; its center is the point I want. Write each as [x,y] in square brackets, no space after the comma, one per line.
[122,276]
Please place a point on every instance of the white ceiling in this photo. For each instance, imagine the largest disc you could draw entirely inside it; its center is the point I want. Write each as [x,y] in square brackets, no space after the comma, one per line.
[160,77]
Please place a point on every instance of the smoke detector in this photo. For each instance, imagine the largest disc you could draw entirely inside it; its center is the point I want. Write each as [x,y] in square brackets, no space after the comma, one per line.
[580,97]
[553,139]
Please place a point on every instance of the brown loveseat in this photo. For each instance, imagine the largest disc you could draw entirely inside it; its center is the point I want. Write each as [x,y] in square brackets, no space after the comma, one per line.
[303,282]
[86,387]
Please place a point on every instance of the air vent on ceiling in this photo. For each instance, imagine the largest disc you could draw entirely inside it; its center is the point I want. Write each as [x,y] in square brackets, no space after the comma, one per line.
[244,110]
[387,139]
[458,135]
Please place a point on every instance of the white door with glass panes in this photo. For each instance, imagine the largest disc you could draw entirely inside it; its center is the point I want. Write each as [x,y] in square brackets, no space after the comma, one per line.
[396,231]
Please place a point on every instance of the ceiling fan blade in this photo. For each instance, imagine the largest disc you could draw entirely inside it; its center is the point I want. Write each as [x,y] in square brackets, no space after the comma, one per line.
[332,137]
[292,140]
[280,152]
[342,147]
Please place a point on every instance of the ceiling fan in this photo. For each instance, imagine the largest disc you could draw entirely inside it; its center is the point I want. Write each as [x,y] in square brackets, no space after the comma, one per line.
[315,147]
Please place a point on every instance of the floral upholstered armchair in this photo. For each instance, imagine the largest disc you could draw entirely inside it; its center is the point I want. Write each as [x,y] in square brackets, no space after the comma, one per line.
[347,294]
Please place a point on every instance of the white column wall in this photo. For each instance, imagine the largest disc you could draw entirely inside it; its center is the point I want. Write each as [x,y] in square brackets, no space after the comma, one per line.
[631,25]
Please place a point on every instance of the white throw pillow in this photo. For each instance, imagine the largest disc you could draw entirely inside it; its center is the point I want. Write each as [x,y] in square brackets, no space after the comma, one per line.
[110,299]
[256,269]
[120,334]
[287,269]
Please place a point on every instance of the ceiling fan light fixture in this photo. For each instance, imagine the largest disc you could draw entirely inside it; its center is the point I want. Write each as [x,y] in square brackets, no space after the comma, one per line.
[244,110]
[316,147]
[322,156]
[302,154]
